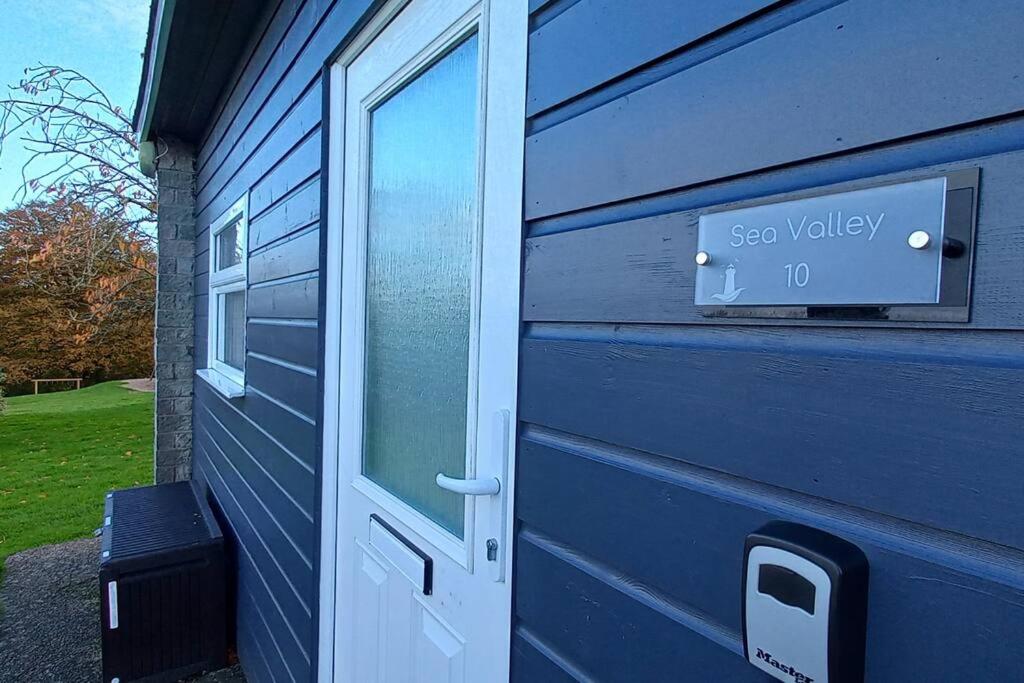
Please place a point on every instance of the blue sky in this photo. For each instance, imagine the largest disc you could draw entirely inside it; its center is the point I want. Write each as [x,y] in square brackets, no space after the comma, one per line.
[103,39]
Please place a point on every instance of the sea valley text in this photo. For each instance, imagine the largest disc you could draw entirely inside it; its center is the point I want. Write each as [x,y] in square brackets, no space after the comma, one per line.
[833,225]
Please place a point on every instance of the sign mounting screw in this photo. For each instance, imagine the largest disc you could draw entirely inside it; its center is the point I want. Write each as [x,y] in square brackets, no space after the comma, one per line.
[919,239]
[952,248]
[702,258]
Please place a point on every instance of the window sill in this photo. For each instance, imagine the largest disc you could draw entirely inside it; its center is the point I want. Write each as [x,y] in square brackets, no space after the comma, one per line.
[224,386]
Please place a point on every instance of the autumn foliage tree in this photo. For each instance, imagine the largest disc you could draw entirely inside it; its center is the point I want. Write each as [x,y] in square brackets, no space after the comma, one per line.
[76,294]
[77,257]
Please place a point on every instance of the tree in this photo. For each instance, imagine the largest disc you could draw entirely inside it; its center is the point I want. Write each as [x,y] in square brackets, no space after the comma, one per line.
[92,264]
[77,258]
[82,146]
[76,293]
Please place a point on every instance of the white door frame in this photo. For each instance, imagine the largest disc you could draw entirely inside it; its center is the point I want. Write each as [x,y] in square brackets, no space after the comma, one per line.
[504,130]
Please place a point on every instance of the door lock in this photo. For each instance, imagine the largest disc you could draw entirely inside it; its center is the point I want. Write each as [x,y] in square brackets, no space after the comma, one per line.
[492,550]
[805,604]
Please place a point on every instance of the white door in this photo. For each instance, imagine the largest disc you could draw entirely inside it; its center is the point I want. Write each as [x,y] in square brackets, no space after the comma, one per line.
[426,179]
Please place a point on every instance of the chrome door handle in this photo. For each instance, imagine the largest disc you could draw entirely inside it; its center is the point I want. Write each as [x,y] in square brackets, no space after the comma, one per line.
[488,486]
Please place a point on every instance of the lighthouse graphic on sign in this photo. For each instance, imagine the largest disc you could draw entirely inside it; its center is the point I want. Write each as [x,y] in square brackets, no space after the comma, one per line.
[729,294]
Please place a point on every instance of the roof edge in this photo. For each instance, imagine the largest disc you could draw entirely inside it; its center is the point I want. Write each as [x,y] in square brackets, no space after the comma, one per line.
[161,16]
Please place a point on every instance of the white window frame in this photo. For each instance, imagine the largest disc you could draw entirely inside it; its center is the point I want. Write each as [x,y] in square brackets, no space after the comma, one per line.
[224,378]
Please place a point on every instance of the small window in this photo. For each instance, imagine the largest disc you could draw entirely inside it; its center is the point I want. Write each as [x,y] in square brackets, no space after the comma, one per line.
[229,245]
[226,334]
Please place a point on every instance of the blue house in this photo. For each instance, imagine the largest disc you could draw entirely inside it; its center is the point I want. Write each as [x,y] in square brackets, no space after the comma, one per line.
[492,329]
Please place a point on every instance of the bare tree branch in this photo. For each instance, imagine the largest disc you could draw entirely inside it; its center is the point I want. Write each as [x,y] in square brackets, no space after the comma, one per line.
[84,238]
[82,146]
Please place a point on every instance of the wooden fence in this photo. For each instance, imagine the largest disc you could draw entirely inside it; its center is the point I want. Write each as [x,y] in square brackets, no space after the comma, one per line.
[76,380]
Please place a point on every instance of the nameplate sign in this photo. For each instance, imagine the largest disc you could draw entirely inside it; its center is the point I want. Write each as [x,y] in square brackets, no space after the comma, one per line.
[877,246]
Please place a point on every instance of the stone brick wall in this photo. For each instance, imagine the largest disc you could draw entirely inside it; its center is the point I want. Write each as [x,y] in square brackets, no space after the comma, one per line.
[175,333]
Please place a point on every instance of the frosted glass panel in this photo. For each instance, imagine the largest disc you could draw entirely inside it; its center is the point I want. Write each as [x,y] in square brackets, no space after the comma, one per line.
[421,222]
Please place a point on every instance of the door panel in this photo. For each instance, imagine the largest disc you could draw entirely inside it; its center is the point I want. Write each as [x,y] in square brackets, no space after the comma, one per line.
[439,650]
[372,608]
[399,637]
[422,339]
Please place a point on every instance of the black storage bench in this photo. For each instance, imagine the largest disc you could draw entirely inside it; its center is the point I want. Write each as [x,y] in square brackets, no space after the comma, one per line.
[162,585]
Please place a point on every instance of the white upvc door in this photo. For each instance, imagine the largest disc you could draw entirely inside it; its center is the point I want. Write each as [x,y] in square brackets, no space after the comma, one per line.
[425,200]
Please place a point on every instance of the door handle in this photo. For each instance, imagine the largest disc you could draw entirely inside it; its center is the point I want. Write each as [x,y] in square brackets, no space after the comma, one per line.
[488,486]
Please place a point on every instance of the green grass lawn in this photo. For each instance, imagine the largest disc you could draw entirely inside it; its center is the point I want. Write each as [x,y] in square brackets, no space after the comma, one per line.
[59,454]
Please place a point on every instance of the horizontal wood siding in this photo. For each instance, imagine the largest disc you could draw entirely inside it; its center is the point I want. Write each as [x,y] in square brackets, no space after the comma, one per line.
[257,454]
[604,33]
[787,426]
[640,547]
[823,85]
[653,439]
[634,263]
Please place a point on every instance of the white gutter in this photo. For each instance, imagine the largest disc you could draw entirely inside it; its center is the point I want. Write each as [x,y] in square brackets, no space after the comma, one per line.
[155,63]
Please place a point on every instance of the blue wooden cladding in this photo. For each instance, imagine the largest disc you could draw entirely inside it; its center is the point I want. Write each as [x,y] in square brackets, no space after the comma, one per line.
[654,439]
[764,406]
[608,41]
[258,454]
[686,512]
[822,85]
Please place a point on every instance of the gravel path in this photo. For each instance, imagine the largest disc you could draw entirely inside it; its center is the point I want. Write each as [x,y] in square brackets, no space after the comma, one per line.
[140,384]
[49,623]
[49,630]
